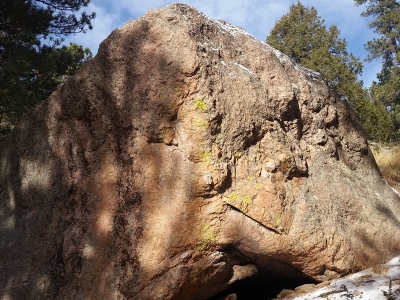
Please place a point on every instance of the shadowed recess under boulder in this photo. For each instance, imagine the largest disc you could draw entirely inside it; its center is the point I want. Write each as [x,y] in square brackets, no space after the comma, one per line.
[263,285]
[187,159]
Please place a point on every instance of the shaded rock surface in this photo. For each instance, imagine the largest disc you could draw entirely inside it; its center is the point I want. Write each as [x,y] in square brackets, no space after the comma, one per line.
[185,156]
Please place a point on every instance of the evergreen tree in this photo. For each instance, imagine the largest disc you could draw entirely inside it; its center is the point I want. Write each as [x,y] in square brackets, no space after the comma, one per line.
[375,120]
[32,62]
[385,21]
[302,35]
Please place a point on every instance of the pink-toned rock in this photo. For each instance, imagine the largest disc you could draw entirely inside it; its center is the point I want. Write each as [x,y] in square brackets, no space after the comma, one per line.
[185,156]
[285,293]
[242,272]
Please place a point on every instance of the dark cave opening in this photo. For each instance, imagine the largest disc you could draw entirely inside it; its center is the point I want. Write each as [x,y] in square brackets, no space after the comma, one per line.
[261,286]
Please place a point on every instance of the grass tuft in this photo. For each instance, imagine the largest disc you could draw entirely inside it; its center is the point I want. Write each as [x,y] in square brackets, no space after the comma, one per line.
[380,269]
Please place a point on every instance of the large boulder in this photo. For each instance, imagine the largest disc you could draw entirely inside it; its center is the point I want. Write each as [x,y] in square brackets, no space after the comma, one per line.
[185,157]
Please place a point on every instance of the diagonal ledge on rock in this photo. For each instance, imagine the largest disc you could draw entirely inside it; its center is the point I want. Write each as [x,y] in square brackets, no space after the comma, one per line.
[184,151]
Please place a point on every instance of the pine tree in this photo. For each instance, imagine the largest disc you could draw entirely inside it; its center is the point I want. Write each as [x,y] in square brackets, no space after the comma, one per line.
[32,62]
[302,35]
[384,16]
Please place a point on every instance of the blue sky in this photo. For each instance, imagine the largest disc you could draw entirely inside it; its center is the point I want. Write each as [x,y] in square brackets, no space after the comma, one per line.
[255,16]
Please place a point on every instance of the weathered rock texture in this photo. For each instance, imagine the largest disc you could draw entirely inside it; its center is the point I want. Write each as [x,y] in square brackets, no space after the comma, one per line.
[185,156]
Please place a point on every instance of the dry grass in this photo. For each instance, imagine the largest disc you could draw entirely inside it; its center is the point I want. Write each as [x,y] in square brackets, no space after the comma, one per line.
[380,269]
[388,160]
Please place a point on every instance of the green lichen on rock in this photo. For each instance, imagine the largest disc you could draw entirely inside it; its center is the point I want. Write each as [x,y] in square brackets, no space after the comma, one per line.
[277,220]
[240,202]
[232,198]
[201,123]
[207,238]
[205,156]
[207,233]
[200,105]
[246,200]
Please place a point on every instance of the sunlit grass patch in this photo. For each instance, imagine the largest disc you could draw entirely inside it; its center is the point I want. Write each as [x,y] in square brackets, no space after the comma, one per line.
[388,160]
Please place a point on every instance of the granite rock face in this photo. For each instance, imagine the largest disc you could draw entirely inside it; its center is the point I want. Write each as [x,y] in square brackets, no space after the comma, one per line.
[187,156]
